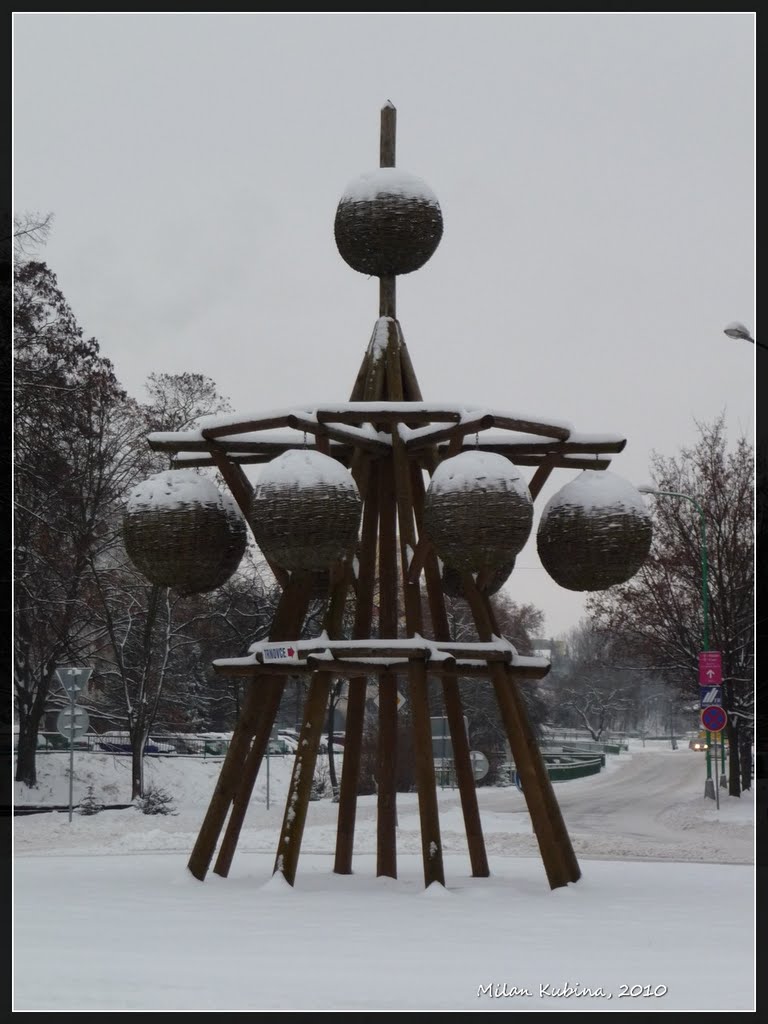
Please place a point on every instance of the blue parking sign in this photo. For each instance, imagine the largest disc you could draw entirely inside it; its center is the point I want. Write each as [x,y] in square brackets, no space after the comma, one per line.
[711,695]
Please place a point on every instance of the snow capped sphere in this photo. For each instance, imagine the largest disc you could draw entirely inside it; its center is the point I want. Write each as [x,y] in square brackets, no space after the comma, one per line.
[387,222]
[306,510]
[181,531]
[595,532]
[478,512]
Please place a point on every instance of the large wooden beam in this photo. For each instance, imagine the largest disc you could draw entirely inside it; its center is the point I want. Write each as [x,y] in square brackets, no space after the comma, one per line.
[355,720]
[300,789]
[272,694]
[431,844]
[386,823]
[454,712]
[313,718]
[289,616]
[554,844]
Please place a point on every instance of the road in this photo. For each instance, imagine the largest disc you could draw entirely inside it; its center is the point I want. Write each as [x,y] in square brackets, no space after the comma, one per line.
[651,805]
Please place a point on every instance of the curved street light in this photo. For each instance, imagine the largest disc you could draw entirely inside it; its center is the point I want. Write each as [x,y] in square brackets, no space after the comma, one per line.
[710,790]
[740,332]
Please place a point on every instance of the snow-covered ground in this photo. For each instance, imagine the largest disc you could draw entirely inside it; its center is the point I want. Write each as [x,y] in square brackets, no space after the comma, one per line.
[107,917]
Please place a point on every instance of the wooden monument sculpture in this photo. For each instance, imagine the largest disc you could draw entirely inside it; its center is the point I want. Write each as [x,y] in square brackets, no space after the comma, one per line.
[343,504]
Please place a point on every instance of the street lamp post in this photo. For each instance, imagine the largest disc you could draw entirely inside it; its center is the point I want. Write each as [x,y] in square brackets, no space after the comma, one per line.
[710,790]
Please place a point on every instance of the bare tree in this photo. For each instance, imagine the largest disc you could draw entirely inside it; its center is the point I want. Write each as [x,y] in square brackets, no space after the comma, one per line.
[589,686]
[30,232]
[146,631]
[67,474]
[660,611]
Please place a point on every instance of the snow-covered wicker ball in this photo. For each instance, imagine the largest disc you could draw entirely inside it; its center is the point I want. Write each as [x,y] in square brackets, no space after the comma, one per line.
[453,586]
[306,511]
[181,531]
[387,222]
[595,532]
[478,511]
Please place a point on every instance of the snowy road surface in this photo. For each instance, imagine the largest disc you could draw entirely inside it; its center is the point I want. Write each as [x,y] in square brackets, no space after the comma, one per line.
[107,917]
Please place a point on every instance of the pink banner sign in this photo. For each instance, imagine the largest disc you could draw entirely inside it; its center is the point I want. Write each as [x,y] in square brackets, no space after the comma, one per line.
[710,668]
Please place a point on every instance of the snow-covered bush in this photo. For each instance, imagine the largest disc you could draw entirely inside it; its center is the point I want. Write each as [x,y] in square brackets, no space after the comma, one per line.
[89,804]
[156,801]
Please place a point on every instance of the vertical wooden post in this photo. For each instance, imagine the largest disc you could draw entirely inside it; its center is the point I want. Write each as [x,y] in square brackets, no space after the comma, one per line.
[431,845]
[387,142]
[386,854]
[369,386]
[388,135]
[353,737]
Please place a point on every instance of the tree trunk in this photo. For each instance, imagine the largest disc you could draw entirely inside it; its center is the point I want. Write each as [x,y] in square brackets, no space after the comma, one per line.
[26,767]
[734,734]
[745,758]
[137,765]
[26,754]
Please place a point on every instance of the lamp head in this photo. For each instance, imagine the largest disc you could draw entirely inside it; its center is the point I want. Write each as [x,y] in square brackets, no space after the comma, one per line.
[737,330]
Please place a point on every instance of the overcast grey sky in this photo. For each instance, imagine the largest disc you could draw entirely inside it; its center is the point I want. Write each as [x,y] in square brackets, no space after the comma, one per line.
[595,173]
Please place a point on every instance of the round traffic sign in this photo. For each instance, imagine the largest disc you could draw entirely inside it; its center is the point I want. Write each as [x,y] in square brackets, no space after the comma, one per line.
[69,728]
[714,718]
[480,764]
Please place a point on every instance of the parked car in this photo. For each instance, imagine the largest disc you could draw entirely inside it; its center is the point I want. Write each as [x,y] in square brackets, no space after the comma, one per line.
[120,743]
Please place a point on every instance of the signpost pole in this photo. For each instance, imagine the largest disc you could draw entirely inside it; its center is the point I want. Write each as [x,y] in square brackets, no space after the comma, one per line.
[717,788]
[71,747]
[714,718]
[73,680]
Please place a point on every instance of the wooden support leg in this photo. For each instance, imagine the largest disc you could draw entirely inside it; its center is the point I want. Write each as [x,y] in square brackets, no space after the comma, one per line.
[431,845]
[273,692]
[300,788]
[226,787]
[465,778]
[563,840]
[554,814]
[355,725]
[464,775]
[286,623]
[551,854]
[554,844]
[353,743]
[386,811]
[386,858]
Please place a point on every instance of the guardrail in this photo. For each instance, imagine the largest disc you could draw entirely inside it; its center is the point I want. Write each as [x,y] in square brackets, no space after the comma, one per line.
[565,768]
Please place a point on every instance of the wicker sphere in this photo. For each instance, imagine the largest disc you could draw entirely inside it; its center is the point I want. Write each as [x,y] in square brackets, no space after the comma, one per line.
[478,511]
[387,222]
[595,532]
[453,586]
[306,510]
[181,531]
